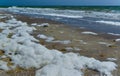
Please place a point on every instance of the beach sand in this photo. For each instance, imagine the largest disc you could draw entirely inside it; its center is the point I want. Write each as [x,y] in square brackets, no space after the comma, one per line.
[85,44]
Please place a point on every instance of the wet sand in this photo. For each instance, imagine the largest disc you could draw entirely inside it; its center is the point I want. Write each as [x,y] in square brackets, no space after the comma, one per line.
[89,45]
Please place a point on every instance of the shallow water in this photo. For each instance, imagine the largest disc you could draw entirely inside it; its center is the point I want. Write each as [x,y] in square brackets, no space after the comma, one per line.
[106,20]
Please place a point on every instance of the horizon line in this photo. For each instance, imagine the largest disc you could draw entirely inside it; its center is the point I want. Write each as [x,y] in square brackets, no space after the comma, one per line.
[54,5]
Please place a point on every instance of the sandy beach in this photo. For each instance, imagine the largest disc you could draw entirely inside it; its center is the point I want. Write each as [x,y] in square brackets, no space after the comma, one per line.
[66,38]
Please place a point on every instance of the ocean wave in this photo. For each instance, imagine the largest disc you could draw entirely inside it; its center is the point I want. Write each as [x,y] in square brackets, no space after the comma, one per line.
[65,13]
[114,34]
[109,22]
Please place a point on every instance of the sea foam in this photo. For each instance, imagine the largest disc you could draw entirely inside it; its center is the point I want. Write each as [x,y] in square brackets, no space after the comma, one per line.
[21,47]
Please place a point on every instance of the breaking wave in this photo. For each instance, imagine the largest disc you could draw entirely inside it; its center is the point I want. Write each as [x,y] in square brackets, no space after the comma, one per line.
[65,13]
[109,22]
[100,21]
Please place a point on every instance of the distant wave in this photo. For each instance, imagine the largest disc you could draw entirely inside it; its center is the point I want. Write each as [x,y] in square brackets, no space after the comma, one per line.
[114,34]
[95,20]
[65,13]
[109,22]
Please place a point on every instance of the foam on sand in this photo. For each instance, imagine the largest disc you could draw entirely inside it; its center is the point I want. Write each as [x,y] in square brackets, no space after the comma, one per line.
[62,41]
[112,59]
[22,49]
[89,33]
[47,39]
[52,39]
[117,40]
[104,43]
[40,25]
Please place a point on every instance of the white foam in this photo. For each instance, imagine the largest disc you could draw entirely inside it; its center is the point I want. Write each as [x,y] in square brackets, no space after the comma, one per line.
[43,24]
[72,65]
[89,33]
[1,17]
[62,41]
[26,53]
[47,39]
[52,39]
[64,15]
[69,48]
[109,22]
[105,43]
[112,59]
[117,40]
[83,42]
[42,36]
[3,65]
[72,49]
[114,34]
[34,24]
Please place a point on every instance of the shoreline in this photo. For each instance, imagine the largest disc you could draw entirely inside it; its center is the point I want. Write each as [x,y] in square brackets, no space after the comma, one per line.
[43,20]
[98,51]
[84,44]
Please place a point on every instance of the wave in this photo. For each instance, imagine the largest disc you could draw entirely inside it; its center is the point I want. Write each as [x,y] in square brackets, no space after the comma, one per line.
[65,13]
[114,34]
[109,22]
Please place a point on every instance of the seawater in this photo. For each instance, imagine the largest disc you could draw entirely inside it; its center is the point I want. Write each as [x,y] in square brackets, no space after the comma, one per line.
[104,19]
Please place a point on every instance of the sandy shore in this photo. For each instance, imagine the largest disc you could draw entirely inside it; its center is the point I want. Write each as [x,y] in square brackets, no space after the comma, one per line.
[85,44]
